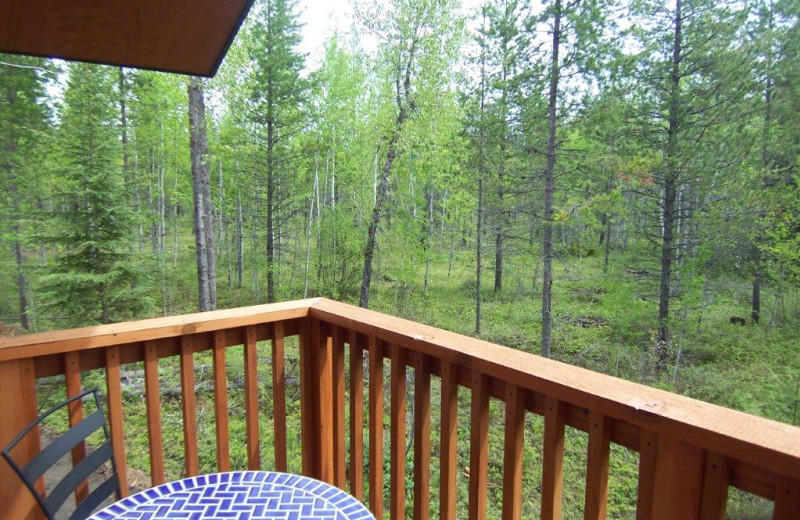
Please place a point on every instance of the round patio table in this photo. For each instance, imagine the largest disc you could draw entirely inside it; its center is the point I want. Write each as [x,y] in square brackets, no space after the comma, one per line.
[239,495]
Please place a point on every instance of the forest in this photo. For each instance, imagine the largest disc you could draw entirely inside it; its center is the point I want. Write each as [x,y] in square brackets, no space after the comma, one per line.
[614,185]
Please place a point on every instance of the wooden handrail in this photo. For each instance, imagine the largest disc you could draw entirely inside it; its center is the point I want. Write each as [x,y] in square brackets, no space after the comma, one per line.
[690,452]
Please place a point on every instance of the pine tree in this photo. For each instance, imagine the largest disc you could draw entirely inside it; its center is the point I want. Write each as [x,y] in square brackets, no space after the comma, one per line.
[277,93]
[23,120]
[92,280]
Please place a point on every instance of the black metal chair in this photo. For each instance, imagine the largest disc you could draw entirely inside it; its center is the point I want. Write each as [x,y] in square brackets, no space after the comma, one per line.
[34,469]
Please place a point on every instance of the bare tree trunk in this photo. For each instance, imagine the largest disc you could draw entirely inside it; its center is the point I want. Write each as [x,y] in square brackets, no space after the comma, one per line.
[308,227]
[377,213]
[200,181]
[481,175]
[669,201]
[428,240]
[549,191]
[18,257]
[239,244]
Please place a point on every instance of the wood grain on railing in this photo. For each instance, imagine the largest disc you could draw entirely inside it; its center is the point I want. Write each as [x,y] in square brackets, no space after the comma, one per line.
[422,437]
[73,384]
[356,416]
[375,428]
[397,464]
[479,447]
[115,422]
[251,399]
[514,448]
[338,393]
[553,470]
[153,402]
[189,407]
[449,449]
[279,395]
[221,403]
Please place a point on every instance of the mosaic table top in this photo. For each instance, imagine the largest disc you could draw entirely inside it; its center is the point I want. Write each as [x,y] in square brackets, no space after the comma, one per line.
[241,495]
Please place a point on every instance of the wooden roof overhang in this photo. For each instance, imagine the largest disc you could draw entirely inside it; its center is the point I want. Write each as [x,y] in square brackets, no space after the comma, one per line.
[182,36]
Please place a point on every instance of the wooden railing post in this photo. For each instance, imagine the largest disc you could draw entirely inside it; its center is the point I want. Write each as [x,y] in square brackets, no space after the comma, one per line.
[678,480]
[18,402]
[316,388]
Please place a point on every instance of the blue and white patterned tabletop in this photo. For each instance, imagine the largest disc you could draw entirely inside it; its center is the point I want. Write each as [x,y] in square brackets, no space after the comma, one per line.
[241,495]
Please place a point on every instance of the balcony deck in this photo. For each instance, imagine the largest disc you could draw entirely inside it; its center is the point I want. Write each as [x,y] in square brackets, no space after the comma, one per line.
[690,453]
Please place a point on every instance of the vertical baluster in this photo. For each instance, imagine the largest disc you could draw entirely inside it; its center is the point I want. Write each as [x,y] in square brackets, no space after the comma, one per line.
[787,499]
[339,475]
[479,446]
[449,448]
[716,481]
[279,395]
[324,399]
[153,400]
[422,438]
[307,416]
[251,399]
[553,471]
[114,389]
[514,444]
[73,380]
[648,449]
[189,407]
[221,402]
[356,417]
[678,480]
[397,473]
[375,428]
[597,466]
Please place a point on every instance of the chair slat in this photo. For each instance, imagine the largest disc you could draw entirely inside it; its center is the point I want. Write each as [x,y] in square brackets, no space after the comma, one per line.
[479,447]
[279,395]
[512,459]
[189,407]
[78,475]
[251,399]
[422,438]
[221,402]
[397,475]
[553,470]
[375,428]
[53,452]
[153,401]
[94,499]
[114,388]
[597,467]
[449,449]
[356,417]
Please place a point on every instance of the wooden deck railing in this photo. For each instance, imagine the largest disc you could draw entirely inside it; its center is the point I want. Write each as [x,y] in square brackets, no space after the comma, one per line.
[690,453]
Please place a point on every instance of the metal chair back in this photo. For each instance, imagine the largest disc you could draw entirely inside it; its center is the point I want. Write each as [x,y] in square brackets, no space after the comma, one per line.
[33,470]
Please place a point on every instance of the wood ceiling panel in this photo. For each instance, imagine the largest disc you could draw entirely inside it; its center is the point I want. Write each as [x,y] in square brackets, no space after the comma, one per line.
[184,36]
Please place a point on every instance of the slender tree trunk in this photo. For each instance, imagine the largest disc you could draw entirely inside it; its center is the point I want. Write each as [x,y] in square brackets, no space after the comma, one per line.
[308,227]
[18,256]
[549,191]
[377,213]
[669,201]
[270,199]
[239,244]
[429,240]
[758,268]
[481,176]
[200,181]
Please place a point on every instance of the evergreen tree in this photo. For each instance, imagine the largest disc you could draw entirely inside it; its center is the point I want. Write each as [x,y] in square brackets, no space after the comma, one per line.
[92,280]
[276,95]
[23,122]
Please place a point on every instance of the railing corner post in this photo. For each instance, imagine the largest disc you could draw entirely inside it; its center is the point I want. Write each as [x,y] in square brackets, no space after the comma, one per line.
[18,402]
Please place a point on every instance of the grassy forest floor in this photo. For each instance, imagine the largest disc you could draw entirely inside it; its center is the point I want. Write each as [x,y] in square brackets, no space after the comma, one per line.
[602,322]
